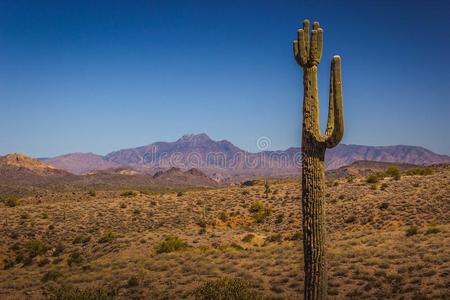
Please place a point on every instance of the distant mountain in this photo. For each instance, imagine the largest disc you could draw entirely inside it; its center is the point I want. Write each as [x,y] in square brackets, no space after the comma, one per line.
[79,163]
[346,154]
[224,161]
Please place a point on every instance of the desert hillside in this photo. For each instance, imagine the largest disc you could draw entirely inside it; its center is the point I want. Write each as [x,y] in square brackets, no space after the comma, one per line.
[388,239]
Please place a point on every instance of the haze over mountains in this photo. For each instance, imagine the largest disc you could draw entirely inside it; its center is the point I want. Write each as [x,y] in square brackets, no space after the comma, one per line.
[222,159]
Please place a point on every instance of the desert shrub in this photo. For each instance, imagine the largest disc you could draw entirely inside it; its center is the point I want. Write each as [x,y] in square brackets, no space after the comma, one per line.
[92,193]
[72,293]
[341,197]
[129,194]
[394,172]
[297,236]
[75,258]
[9,200]
[249,183]
[35,248]
[132,282]
[248,238]
[260,211]
[278,237]
[51,276]
[372,178]
[373,187]
[223,216]
[123,205]
[279,219]
[432,230]
[169,244]
[245,192]
[59,249]
[43,262]
[107,237]
[8,264]
[420,171]
[383,205]
[24,215]
[350,219]
[383,186]
[80,239]
[411,231]
[179,194]
[226,289]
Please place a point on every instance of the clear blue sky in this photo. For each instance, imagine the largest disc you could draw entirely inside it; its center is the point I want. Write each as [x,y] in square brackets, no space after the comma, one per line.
[104,75]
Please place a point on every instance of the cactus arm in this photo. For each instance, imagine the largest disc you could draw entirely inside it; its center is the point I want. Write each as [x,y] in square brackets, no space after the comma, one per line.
[297,52]
[335,124]
[316,44]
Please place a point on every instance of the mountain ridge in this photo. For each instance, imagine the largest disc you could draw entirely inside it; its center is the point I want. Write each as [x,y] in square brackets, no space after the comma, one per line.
[223,157]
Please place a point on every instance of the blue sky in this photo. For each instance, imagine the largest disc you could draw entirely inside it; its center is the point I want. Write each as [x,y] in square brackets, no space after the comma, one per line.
[104,75]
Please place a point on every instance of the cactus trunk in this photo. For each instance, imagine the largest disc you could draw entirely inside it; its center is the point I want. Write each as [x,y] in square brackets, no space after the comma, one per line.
[308,52]
[313,154]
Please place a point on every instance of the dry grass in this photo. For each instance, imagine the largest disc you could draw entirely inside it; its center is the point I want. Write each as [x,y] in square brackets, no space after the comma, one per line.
[109,241]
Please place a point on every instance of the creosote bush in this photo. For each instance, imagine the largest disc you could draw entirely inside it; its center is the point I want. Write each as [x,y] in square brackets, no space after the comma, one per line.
[260,211]
[170,243]
[226,289]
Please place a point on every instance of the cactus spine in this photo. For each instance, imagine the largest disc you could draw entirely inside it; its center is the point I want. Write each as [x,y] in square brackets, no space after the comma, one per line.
[308,52]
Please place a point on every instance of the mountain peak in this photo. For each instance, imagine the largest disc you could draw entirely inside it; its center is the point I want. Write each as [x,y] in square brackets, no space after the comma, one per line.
[201,137]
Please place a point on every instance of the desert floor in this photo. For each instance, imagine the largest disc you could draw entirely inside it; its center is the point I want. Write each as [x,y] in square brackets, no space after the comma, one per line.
[385,241]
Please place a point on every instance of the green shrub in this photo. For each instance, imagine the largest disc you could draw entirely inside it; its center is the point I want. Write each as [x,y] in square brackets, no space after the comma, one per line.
[260,211]
[51,276]
[35,248]
[75,258]
[129,194]
[393,171]
[432,230]
[170,244]
[278,237]
[72,293]
[226,289]
[420,171]
[411,231]
[132,282]
[107,237]
[372,179]
[9,200]
[248,238]
[81,239]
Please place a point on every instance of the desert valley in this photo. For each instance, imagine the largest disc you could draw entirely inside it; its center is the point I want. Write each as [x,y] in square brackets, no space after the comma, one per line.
[128,231]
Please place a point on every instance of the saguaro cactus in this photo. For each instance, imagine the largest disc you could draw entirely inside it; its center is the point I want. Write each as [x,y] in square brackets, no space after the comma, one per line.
[308,52]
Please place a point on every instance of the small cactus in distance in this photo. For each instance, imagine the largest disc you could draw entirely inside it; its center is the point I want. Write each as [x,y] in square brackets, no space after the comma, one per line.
[308,53]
